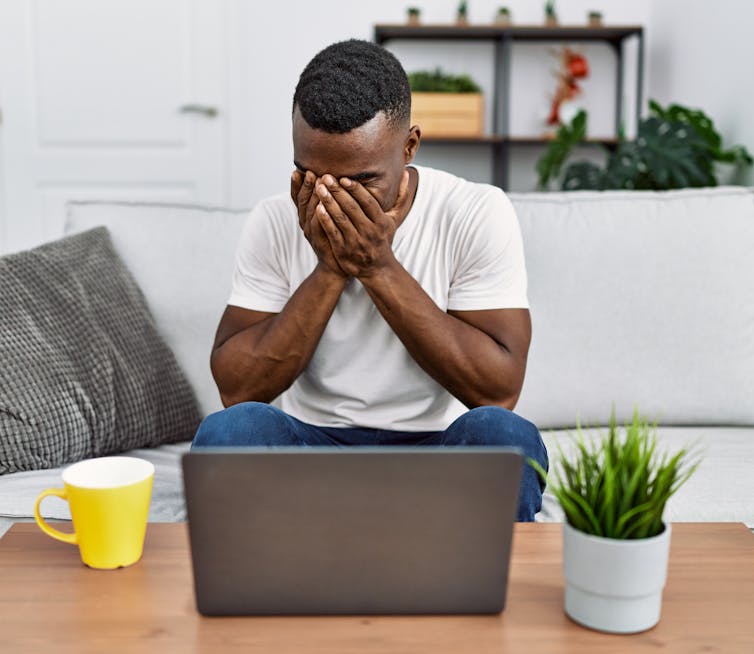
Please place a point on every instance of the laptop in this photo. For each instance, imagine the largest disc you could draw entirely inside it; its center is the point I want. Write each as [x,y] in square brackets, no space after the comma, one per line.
[354,531]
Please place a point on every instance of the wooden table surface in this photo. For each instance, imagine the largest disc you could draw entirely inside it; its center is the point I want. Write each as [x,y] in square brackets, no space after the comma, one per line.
[51,602]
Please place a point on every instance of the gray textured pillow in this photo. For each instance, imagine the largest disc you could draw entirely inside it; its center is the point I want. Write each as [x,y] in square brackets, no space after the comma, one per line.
[83,371]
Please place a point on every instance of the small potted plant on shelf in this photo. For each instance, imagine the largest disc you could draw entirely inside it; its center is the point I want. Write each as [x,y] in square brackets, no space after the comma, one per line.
[594,19]
[462,13]
[446,105]
[615,542]
[551,18]
[413,15]
[503,16]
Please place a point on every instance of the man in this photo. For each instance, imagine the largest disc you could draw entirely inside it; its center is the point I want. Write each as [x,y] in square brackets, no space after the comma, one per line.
[387,303]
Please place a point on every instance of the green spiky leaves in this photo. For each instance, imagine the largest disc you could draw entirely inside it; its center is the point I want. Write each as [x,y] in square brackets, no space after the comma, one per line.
[617,486]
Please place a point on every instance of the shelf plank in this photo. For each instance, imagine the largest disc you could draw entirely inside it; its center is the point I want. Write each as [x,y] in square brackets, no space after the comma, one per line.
[613,34]
[464,140]
[534,140]
[491,139]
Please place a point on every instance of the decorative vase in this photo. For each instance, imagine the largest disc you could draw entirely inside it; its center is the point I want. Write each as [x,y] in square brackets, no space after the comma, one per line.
[614,585]
[551,20]
[414,17]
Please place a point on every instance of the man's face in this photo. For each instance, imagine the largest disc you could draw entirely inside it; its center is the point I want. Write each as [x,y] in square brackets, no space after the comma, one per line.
[374,154]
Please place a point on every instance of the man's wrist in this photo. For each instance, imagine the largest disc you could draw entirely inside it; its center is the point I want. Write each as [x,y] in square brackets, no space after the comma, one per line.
[385,271]
[329,277]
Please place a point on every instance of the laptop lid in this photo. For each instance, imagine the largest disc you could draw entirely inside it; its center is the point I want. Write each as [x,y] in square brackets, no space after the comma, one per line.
[362,530]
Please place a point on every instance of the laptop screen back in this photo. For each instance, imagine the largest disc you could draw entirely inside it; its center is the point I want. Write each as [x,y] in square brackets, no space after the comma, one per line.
[351,530]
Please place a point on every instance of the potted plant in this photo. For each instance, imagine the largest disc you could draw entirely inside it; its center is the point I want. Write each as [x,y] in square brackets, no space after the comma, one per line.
[551,18]
[615,542]
[594,19]
[446,105]
[462,13]
[503,16]
[413,15]
[675,147]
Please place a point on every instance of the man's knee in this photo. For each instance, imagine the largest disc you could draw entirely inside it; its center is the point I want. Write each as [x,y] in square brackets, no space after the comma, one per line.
[244,424]
[494,425]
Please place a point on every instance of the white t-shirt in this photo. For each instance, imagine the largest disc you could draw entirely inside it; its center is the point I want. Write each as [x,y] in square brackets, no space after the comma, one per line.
[460,241]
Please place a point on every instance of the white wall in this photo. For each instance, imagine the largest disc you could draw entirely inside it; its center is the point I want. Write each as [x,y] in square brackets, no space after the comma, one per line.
[91,98]
[698,54]
[275,43]
[701,55]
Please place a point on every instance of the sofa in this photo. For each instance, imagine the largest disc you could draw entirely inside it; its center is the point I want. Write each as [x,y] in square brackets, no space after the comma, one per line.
[638,299]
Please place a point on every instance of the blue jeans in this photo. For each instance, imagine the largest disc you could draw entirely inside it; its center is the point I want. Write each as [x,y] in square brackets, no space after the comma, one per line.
[257,424]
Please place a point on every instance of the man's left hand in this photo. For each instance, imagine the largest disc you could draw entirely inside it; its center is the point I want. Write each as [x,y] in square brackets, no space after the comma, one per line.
[359,231]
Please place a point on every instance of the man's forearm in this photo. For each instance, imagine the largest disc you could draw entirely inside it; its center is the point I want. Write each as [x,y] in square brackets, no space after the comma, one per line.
[467,362]
[261,361]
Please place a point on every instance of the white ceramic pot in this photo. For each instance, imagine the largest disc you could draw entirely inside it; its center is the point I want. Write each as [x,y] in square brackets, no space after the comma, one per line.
[614,585]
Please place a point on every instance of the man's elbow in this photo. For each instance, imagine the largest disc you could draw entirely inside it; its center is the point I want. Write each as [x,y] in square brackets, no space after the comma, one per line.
[230,388]
[504,397]
[235,389]
[505,402]
[231,398]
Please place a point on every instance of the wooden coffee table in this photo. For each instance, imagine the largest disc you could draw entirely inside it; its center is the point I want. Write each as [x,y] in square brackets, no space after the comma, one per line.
[50,602]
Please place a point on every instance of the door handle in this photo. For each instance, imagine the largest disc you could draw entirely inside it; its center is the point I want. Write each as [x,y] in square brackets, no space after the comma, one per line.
[209,112]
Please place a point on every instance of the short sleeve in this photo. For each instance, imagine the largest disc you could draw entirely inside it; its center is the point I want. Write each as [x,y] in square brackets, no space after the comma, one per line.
[489,270]
[260,279]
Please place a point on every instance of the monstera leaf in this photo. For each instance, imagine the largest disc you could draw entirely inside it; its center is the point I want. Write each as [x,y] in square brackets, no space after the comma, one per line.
[584,176]
[671,154]
[705,128]
[626,169]
[700,121]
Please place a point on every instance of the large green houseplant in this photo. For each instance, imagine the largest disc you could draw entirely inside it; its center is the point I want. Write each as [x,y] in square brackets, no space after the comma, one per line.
[675,147]
[615,542]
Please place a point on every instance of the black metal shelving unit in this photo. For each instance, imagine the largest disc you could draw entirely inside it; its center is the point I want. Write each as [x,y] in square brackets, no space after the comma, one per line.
[500,139]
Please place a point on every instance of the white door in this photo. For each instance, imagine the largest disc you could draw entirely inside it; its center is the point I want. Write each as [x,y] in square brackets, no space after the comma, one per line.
[108,99]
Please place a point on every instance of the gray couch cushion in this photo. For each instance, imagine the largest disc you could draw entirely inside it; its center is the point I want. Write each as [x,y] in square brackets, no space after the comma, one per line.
[640,298]
[182,257]
[84,372]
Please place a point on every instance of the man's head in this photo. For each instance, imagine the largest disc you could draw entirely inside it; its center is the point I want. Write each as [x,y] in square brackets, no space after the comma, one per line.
[349,83]
[351,111]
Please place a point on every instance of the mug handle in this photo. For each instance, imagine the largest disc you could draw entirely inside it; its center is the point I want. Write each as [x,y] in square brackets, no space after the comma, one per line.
[53,533]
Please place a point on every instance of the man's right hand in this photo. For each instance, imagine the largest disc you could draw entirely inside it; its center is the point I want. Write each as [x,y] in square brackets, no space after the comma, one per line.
[306,201]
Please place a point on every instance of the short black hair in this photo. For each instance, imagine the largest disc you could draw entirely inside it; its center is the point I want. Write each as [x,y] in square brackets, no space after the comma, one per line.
[348,83]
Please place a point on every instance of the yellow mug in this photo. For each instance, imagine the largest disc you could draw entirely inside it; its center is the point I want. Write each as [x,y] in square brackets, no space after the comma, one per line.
[109,500]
